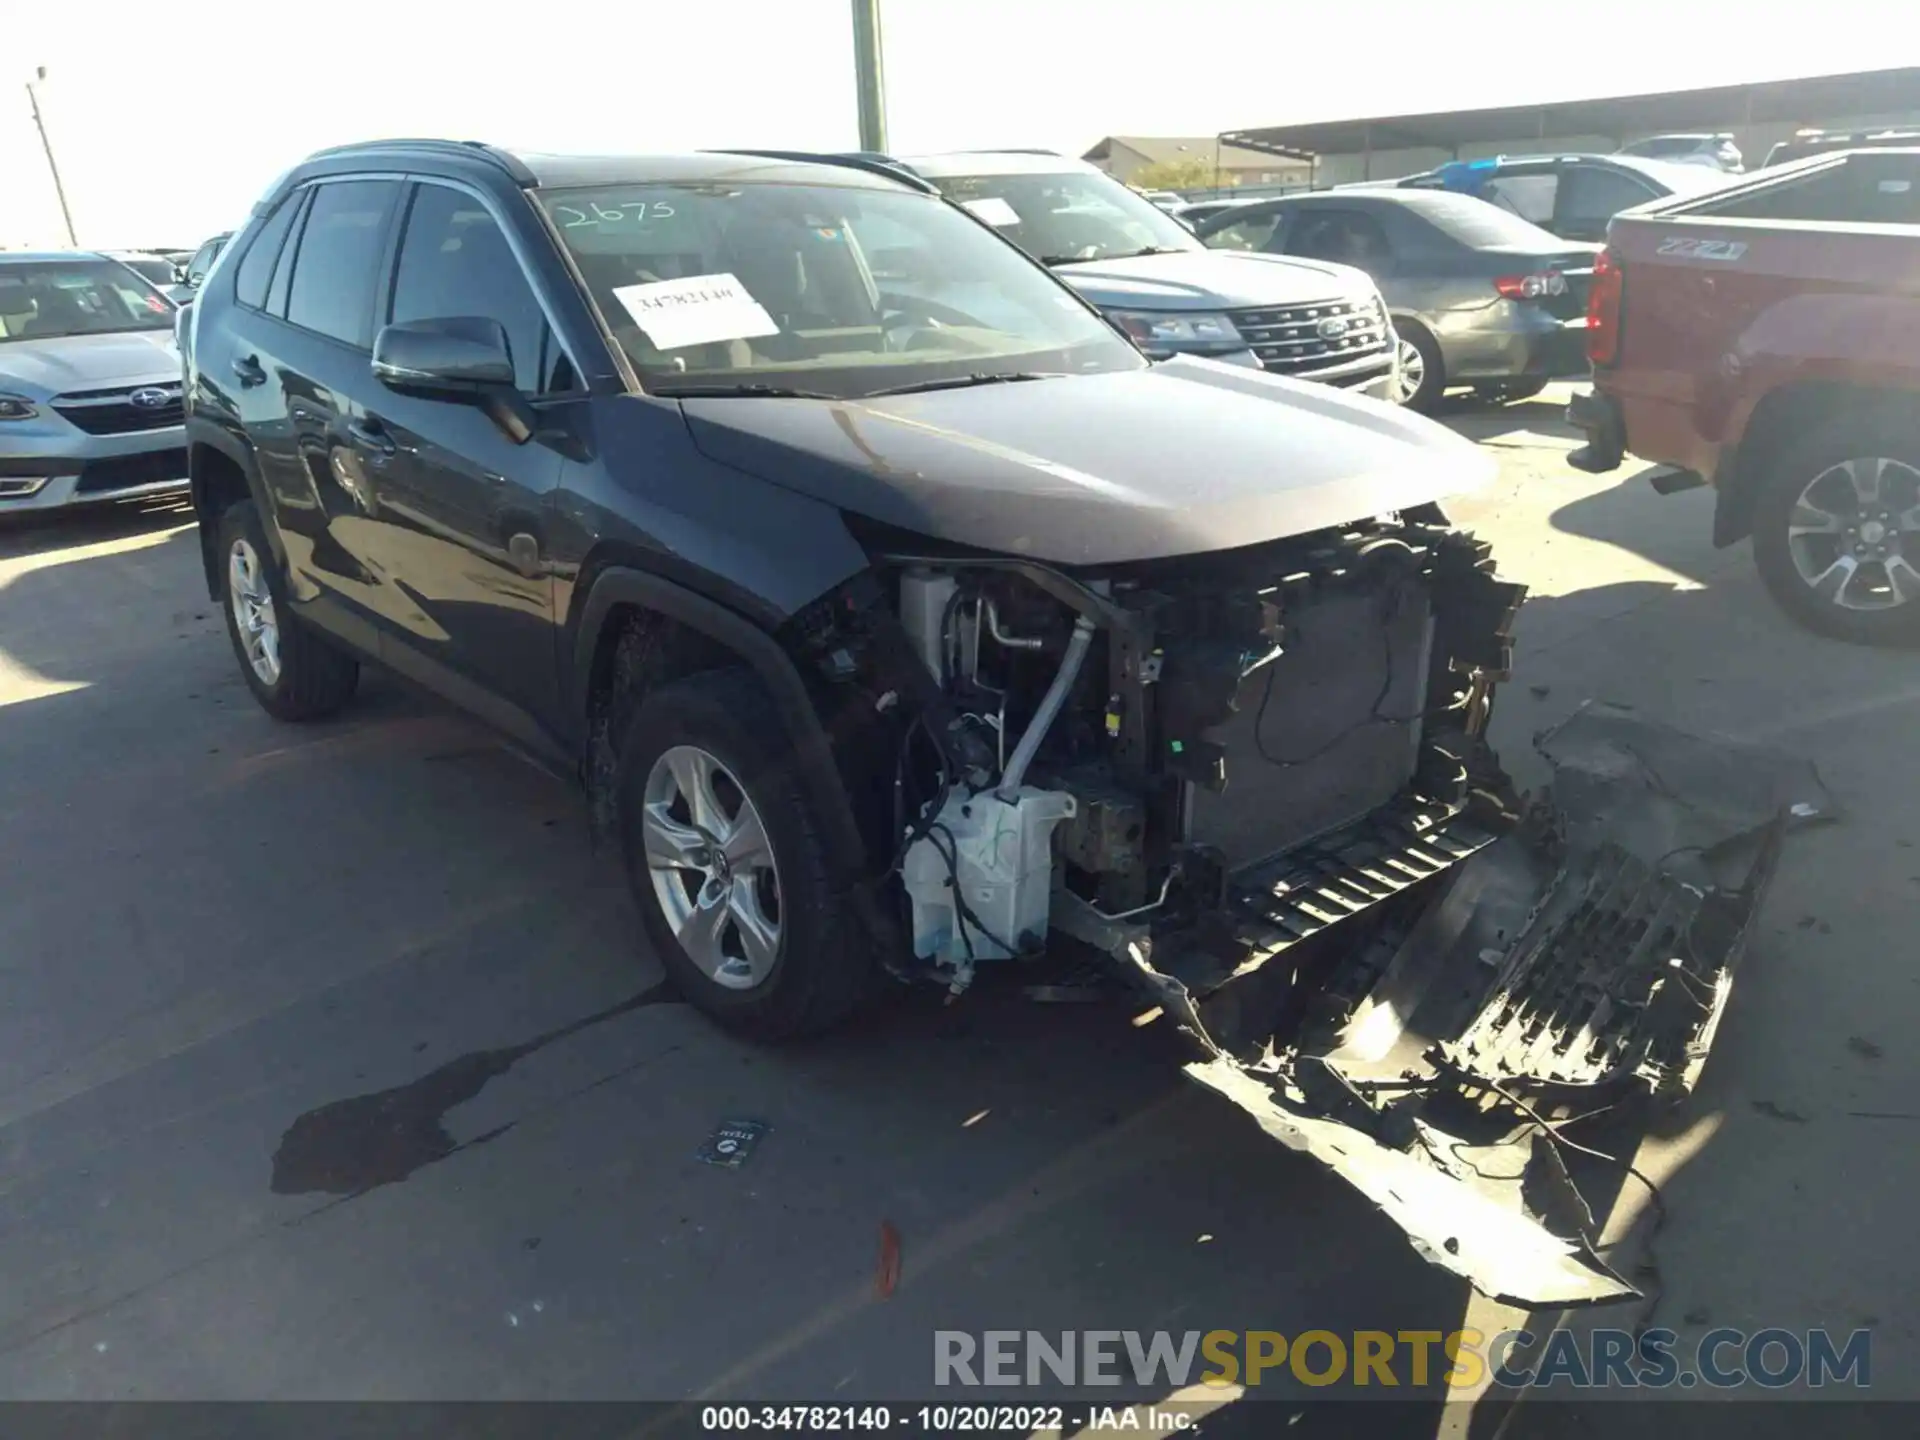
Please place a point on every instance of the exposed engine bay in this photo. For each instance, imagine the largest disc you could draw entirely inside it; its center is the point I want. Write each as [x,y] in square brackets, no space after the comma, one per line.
[1256,785]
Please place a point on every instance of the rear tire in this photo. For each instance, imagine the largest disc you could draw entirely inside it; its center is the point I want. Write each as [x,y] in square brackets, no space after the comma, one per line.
[294,673]
[1836,529]
[1423,372]
[750,928]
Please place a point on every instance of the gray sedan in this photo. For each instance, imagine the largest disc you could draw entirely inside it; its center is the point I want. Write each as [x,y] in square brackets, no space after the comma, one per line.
[89,383]
[1478,296]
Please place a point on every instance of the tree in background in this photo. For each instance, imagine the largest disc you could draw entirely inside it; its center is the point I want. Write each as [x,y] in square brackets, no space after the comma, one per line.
[1186,174]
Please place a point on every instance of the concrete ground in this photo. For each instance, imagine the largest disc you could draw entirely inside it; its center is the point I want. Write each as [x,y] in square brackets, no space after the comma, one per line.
[331,1064]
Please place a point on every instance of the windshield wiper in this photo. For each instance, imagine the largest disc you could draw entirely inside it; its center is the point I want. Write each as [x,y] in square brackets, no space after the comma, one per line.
[778,392]
[961,382]
[1150,250]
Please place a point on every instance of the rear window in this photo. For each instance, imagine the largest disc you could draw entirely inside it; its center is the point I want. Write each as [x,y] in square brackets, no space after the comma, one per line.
[1478,225]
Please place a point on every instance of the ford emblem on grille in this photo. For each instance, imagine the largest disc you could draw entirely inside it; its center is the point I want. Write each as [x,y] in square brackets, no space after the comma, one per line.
[1333,328]
[151,398]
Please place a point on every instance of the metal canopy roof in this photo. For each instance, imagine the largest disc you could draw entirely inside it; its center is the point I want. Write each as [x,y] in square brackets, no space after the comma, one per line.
[1801,102]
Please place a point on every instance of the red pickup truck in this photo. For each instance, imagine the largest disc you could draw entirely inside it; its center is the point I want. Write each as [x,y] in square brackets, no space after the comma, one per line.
[1765,339]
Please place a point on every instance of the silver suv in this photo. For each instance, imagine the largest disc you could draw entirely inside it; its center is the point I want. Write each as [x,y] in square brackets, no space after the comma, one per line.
[89,383]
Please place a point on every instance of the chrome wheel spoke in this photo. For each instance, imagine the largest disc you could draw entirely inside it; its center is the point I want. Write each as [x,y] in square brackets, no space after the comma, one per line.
[1864,475]
[1809,519]
[693,774]
[1831,583]
[701,931]
[746,844]
[1902,579]
[1909,520]
[759,936]
[669,844]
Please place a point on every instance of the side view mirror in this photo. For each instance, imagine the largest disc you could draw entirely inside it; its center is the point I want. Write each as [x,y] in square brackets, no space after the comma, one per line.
[460,358]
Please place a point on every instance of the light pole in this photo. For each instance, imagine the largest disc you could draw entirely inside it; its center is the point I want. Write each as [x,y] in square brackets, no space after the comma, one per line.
[33,98]
[867,76]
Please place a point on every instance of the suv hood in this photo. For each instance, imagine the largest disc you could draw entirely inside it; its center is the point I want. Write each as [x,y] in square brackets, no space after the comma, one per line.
[1210,280]
[1186,457]
[45,368]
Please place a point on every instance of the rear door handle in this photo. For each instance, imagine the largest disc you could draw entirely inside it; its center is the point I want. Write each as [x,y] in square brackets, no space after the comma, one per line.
[373,436]
[248,370]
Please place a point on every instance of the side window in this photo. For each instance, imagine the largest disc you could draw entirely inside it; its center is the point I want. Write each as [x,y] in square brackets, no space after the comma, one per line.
[455,260]
[336,268]
[1343,236]
[1528,196]
[1254,232]
[283,269]
[256,266]
[1590,196]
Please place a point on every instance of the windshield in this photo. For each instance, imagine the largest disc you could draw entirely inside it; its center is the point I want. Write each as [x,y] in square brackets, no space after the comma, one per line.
[50,299]
[1080,215]
[829,290]
[151,268]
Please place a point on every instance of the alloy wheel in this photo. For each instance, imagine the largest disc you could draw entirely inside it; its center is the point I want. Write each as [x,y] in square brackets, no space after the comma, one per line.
[1854,534]
[712,867]
[253,612]
[1413,372]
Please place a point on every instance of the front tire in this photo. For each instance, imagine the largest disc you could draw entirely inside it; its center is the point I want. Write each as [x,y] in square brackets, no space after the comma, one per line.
[1836,530]
[727,863]
[292,672]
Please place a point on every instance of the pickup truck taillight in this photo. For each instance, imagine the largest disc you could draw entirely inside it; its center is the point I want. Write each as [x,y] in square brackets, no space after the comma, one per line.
[1532,287]
[1603,309]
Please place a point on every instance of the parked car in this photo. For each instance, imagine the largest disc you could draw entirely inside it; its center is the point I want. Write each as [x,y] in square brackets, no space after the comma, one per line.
[1477,295]
[1148,273]
[1193,212]
[1766,341]
[89,383]
[1807,143]
[1717,150]
[892,637]
[1573,196]
[197,266]
[1168,200]
[151,266]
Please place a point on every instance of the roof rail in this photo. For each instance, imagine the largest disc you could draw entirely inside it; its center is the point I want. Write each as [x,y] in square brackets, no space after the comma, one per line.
[466,149]
[871,161]
[1020,150]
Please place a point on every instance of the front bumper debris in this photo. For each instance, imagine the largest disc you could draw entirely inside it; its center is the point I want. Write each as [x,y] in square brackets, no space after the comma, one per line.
[1584,956]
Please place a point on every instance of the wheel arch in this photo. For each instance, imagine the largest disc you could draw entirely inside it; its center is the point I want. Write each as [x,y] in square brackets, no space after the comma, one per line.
[220,473]
[698,633]
[1778,415]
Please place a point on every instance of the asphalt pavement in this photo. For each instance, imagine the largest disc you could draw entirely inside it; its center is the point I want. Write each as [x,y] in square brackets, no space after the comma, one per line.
[332,1063]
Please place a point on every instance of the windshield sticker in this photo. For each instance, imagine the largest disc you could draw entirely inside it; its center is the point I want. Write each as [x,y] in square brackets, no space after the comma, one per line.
[993,210]
[697,310]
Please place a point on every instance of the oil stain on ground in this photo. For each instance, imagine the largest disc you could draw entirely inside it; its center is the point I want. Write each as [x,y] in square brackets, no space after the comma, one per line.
[354,1145]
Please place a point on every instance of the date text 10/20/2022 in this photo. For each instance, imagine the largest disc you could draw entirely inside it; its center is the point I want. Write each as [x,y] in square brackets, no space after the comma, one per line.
[1022,1420]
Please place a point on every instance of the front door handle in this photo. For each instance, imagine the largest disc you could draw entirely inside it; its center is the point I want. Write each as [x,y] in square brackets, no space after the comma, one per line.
[372,436]
[248,370]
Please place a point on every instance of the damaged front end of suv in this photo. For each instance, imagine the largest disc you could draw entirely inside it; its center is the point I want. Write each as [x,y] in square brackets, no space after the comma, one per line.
[1257,781]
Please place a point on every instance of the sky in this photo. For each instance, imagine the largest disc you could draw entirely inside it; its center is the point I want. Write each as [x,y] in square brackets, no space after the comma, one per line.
[168,121]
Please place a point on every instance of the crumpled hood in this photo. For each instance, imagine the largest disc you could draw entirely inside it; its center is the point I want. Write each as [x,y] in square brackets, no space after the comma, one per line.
[41,369]
[1186,457]
[1211,280]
